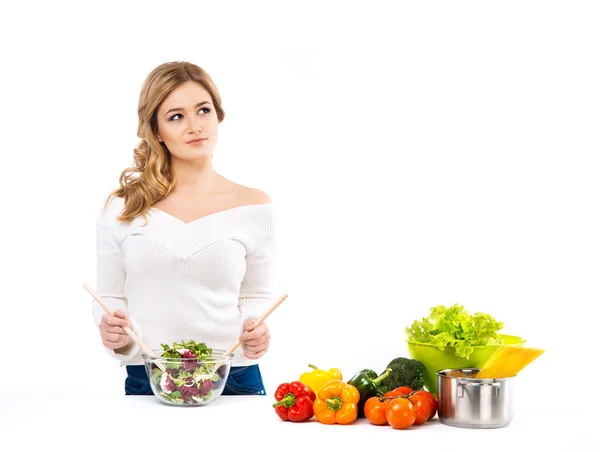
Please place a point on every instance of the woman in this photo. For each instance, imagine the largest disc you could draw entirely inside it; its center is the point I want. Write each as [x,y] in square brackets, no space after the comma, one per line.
[183,252]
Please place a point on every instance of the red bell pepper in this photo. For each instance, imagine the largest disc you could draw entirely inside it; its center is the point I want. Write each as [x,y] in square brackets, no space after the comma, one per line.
[294,401]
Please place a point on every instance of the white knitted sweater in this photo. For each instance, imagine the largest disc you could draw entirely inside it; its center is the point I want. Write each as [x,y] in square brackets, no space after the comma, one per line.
[180,281]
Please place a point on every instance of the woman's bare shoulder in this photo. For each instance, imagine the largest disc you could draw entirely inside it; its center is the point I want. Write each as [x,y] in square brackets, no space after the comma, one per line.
[245,195]
[254,196]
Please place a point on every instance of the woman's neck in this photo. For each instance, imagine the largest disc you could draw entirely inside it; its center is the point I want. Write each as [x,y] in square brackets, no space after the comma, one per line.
[191,178]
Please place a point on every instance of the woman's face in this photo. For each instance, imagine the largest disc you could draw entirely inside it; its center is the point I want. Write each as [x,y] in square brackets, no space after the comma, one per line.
[187,123]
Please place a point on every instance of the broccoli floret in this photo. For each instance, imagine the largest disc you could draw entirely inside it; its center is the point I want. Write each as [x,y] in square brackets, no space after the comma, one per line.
[405,372]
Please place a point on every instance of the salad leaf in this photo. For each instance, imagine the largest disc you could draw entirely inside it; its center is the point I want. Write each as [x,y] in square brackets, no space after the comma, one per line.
[198,349]
[454,327]
[156,375]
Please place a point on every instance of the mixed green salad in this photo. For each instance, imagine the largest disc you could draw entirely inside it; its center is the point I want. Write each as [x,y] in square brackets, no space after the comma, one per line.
[188,381]
[454,327]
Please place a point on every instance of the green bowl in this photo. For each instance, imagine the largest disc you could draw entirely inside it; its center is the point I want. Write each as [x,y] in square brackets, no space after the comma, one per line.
[435,359]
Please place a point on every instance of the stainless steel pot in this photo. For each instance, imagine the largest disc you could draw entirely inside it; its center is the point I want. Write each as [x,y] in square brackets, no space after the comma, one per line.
[469,402]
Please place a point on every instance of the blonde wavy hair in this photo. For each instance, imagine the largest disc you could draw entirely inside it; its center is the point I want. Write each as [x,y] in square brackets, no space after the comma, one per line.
[150,178]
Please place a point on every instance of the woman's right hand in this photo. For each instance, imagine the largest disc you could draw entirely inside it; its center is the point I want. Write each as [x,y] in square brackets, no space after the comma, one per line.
[112,332]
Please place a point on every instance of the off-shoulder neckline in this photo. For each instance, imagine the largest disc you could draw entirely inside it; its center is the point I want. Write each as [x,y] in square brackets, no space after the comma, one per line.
[210,215]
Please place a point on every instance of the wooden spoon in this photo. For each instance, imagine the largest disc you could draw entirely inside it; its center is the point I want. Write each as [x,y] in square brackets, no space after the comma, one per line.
[260,320]
[147,350]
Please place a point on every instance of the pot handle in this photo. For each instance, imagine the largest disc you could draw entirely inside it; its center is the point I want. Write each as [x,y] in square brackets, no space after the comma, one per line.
[461,392]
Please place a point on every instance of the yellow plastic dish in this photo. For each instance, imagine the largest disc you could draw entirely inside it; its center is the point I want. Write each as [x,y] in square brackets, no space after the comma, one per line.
[435,359]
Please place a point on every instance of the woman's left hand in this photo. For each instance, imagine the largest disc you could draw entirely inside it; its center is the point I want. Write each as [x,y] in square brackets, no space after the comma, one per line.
[255,342]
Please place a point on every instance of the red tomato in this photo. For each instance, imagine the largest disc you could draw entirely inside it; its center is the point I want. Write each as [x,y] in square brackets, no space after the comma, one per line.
[432,401]
[422,407]
[399,391]
[375,410]
[400,413]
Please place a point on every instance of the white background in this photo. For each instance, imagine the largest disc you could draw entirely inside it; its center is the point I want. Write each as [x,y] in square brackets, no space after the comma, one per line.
[418,153]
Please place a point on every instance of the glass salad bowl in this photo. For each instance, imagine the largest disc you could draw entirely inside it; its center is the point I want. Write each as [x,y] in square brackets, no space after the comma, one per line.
[181,375]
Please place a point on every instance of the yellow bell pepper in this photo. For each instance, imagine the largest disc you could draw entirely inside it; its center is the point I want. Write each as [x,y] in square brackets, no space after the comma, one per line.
[337,403]
[317,378]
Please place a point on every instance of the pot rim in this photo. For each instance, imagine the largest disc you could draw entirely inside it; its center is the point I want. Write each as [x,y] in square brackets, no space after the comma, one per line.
[468,370]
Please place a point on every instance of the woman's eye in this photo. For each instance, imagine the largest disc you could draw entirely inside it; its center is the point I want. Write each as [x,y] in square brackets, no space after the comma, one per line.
[178,116]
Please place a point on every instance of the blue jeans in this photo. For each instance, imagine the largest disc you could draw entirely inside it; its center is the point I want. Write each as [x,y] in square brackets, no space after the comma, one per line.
[244,380]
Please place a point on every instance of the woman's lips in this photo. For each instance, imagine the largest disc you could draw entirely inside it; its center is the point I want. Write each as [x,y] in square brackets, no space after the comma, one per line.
[197,141]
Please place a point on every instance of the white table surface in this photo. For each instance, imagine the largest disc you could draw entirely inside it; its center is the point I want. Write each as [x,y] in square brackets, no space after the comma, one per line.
[93,421]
